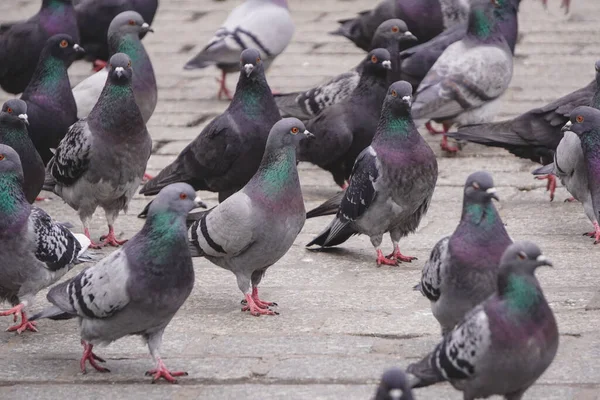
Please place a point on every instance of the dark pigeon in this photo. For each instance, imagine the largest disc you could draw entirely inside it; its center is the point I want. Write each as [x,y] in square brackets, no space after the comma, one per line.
[392,182]
[22,43]
[504,344]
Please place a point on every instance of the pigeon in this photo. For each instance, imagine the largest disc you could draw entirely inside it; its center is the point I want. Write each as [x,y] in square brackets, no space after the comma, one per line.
[464,84]
[94,18]
[229,149]
[462,270]
[50,104]
[21,43]
[102,159]
[137,289]
[391,183]
[123,37]
[34,251]
[346,128]
[13,133]
[392,35]
[535,134]
[577,164]
[504,344]
[255,227]
[440,15]
[418,60]
[394,385]
[265,25]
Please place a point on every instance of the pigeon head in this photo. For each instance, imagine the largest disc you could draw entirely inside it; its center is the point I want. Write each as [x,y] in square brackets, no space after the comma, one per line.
[128,22]
[14,113]
[378,60]
[392,30]
[62,47]
[394,386]
[519,260]
[483,17]
[583,120]
[10,163]
[399,97]
[119,68]
[176,198]
[250,62]
[287,132]
[479,188]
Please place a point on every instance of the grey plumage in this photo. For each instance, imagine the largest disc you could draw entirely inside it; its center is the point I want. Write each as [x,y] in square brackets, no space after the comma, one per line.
[255,227]
[504,344]
[123,37]
[137,289]
[463,268]
[392,35]
[394,385]
[391,183]
[34,251]
[102,159]
[13,133]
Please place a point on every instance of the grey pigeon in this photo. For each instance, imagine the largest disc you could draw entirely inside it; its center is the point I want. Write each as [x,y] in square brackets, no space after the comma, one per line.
[13,133]
[392,35]
[95,16]
[394,385]
[34,251]
[535,134]
[391,183]
[137,289]
[123,37]
[228,151]
[255,227]
[462,270]
[466,81]
[102,159]
[265,25]
[440,15]
[577,163]
[504,344]
[21,43]
[346,128]
[50,104]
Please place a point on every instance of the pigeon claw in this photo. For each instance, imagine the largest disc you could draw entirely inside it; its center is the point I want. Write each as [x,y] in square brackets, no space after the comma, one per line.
[25,325]
[147,177]
[258,308]
[446,147]
[551,185]
[383,260]
[595,234]
[111,239]
[98,65]
[433,131]
[88,355]
[396,255]
[161,371]
[570,200]
[223,88]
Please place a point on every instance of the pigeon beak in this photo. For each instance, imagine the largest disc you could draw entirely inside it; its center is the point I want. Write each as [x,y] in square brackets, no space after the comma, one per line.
[147,28]
[492,193]
[542,260]
[23,117]
[248,68]
[407,100]
[409,36]
[308,134]
[387,64]
[78,48]
[119,71]
[198,203]
[395,394]
[567,126]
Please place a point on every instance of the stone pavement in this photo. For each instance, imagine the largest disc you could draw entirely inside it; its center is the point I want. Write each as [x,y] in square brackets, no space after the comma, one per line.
[343,320]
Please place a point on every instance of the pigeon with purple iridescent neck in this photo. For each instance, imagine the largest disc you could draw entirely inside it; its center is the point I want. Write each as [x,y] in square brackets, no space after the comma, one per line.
[21,43]
[391,185]
[462,270]
[51,107]
[503,345]
[255,227]
[13,133]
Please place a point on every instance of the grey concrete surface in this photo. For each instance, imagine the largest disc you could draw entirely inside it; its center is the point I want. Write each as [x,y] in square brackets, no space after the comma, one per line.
[343,319]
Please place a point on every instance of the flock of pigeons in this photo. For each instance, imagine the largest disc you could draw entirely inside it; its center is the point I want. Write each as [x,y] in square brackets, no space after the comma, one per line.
[90,146]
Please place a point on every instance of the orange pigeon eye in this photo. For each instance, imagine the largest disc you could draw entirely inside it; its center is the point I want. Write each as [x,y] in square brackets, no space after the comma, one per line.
[1,157]
[373,59]
[257,59]
[9,110]
[579,119]
[64,43]
[395,29]
[131,22]
[129,64]
[295,131]
[522,255]
[394,93]
[476,185]
[183,196]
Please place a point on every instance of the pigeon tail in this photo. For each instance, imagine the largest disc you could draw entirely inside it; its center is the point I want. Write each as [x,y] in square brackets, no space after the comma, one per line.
[288,105]
[330,207]
[172,173]
[424,373]
[326,239]
[53,313]
[352,30]
[201,60]
[497,134]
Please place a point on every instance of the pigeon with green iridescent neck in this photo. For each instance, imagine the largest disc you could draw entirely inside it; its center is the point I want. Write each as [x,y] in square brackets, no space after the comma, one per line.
[392,35]
[13,133]
[50,104]
[123,37]
[228,151]
[255,227]
[21,43]
[391,185]
[394,385]
[102,159]
[464,85]
[462,270]
[137,289]
[504,344]
[34,251]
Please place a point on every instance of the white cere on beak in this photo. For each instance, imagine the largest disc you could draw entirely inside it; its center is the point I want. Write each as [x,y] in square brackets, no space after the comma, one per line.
[77,47]
[387,64]
[407,99]
[395,394]
[23,117]
[408,33]
[248,68]
[145,25]
[568,125]
[119,71]
[491,190]
[541,258]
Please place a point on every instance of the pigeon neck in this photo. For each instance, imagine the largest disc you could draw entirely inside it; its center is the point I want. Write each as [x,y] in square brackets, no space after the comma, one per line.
[483,215]
[590,144]
[14,134]
[165,231]
[58,16]
[253,95]
[398,124]
[50,79]
[508,24]
[277,172]
[521,292]
[482,25]
[596,99]
[454,12]
[128,43]
[116,111]
[14,208]
[372,75]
